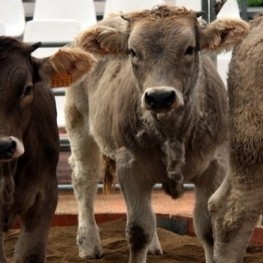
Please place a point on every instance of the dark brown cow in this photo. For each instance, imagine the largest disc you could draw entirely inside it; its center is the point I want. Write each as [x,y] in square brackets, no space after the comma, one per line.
[237,204]
[157,107]
[29,143]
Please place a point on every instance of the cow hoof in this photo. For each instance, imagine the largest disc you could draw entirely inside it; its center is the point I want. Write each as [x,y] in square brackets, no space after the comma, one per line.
[89,249]
[155,252]
[88,241]
[97,254]
[155,247]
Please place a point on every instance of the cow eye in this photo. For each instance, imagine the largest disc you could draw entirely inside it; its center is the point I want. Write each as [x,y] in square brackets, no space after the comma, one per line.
[132,53]
[28,90]
[189,51]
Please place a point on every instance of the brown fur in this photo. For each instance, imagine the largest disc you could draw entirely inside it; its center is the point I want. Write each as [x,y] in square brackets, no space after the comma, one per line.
[150,52]
[109,168]
[28,114]
[236,205]
[160,12]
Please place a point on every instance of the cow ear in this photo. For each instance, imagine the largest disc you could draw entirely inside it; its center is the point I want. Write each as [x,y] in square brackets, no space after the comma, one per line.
[67,66]
[102,40]
[223,34]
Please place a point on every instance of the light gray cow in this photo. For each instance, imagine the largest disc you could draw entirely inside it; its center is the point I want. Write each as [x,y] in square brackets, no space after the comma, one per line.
[157,107]
[237,204]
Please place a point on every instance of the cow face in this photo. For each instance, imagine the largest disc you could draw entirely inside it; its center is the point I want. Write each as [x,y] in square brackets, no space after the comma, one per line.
[164,58]
[163,47]
[19,72]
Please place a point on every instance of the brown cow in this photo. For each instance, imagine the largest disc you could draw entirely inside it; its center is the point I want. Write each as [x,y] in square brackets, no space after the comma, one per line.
[157,107]
[29,143]
[237,204]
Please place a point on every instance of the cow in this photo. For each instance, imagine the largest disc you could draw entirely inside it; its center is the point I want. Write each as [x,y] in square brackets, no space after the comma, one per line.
[157,107]
[29,141]
[236,205]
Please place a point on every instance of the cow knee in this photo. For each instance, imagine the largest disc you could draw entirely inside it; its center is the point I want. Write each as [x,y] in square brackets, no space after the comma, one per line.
[84,173]
[217,199]
[213,206]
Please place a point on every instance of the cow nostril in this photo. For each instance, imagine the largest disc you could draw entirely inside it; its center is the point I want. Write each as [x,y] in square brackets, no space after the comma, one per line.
[150,99]
[160,100]
[168,99]
[7,148]
[11,149]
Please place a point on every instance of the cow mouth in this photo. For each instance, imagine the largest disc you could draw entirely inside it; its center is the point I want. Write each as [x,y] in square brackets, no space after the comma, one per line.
[7,171]
[161,110]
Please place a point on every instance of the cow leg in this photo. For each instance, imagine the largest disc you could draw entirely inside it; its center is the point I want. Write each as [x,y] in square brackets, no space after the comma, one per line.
[84,161]
[35,224]
[136,187]
[85,166]
[205,186]
[235,208]
[2,251]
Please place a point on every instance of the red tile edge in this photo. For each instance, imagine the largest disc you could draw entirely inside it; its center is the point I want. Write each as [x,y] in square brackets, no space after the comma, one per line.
[257,237]
[69,220]
[72,219]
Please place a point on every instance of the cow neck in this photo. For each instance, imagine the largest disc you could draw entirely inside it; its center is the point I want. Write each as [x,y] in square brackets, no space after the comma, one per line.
[7,171]
[171,131]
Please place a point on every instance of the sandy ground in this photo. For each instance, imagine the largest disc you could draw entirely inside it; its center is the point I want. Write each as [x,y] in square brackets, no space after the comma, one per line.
[62,246]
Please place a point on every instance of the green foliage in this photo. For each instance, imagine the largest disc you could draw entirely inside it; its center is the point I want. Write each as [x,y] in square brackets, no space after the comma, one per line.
[252,2]
[255,2]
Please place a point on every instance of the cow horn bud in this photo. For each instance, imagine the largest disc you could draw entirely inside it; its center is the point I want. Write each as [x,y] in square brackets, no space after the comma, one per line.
[35,46]
[125,18]
[199,13]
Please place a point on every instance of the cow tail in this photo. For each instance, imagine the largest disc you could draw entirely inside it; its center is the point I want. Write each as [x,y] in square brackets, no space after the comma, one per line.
[109,173]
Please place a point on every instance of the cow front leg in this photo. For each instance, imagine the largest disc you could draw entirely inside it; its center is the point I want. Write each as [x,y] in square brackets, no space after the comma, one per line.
[84,161]
[205,186]
[2,251]
[35,224]
[235,208]
[136,187]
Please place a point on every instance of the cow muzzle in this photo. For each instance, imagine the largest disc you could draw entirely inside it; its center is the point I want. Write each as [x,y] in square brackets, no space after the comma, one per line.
[10,148]
[162,99]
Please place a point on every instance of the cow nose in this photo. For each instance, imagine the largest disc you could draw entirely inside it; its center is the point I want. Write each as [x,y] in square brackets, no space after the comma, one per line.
[160,100]
[7,148]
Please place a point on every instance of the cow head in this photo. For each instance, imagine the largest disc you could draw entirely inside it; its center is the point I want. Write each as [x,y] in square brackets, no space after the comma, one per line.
[19,72]
[163,46]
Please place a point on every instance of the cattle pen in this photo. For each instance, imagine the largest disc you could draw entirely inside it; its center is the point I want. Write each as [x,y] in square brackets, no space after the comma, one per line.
[174,217]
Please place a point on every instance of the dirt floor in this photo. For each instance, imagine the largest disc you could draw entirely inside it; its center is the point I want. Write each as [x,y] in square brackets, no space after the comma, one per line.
[62,246]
